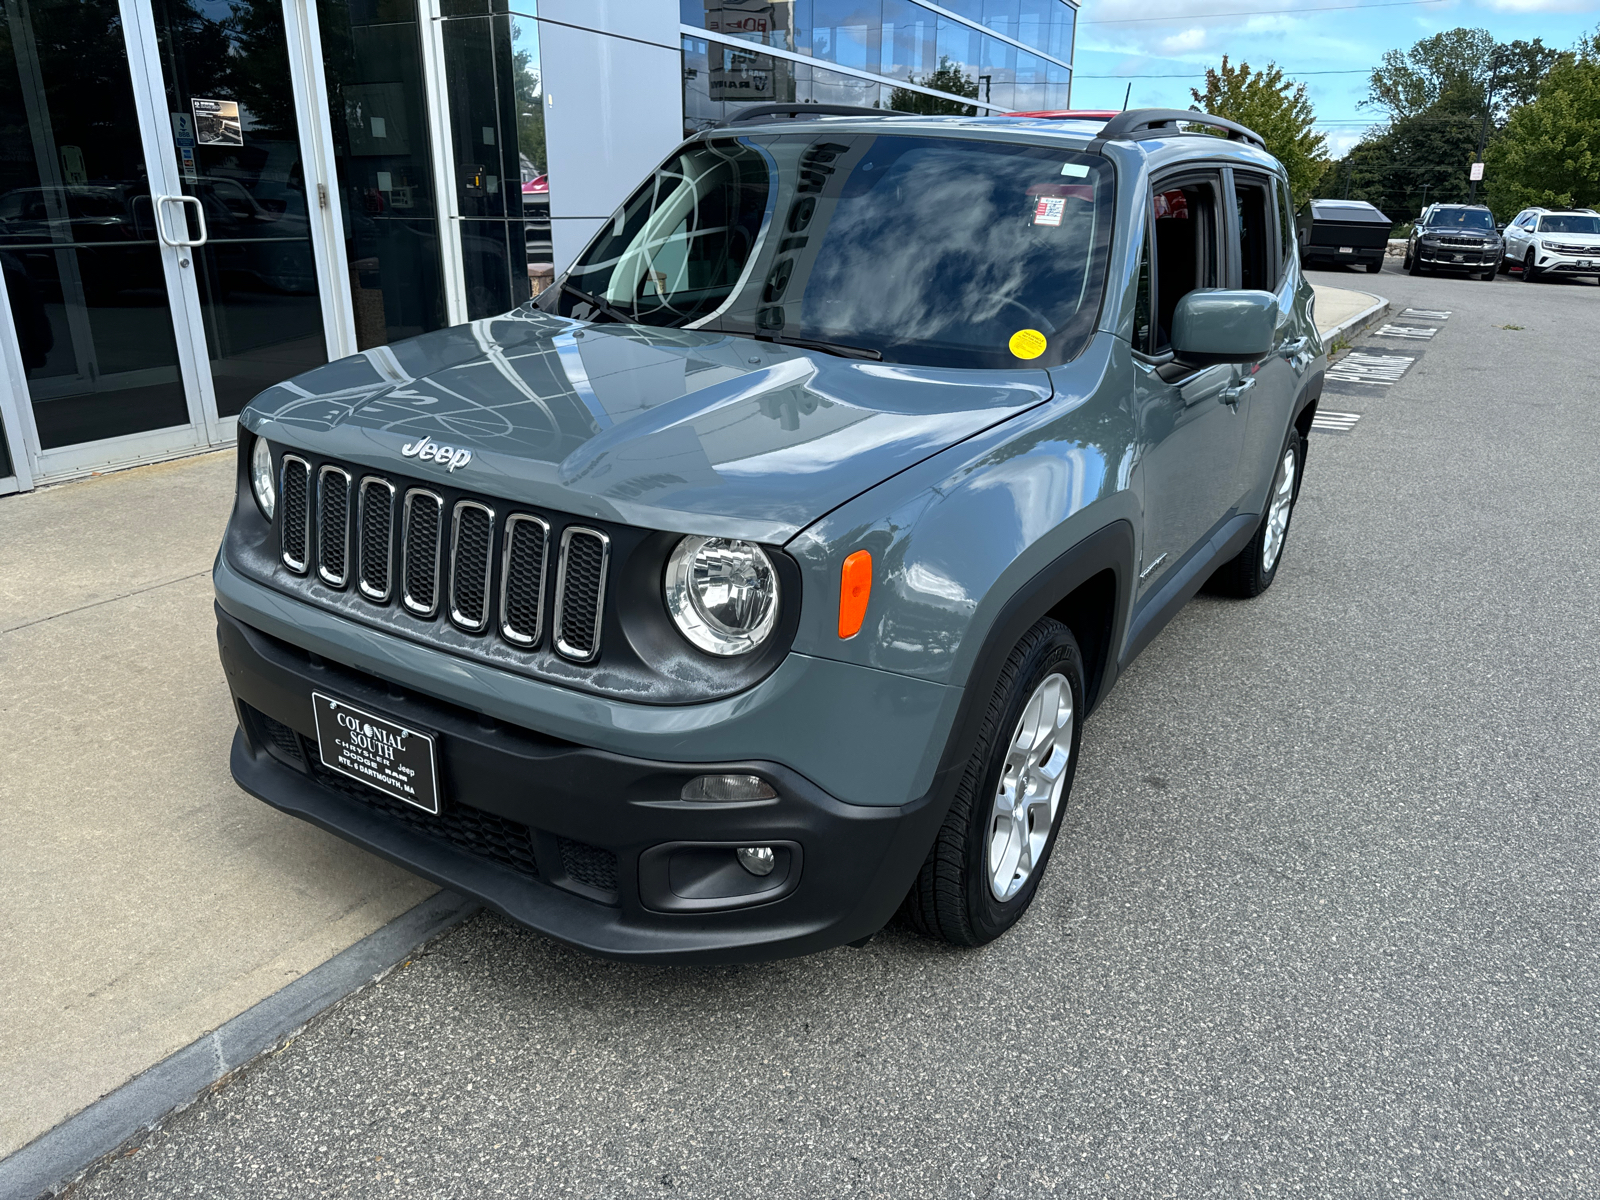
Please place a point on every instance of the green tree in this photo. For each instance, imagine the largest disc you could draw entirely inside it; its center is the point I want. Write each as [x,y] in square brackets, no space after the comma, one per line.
[1274,107]
[946,77]
[1407,84]
[1549,151]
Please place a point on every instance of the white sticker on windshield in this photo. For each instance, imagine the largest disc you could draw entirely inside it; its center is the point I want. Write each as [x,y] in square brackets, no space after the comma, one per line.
[1075,170]
[1048,210]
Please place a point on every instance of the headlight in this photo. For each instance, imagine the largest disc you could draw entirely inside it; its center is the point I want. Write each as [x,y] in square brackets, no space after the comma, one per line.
[261,478]
[722,593]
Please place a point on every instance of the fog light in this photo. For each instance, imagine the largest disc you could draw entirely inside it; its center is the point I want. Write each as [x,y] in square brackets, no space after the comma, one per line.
[726,788]
[758,860]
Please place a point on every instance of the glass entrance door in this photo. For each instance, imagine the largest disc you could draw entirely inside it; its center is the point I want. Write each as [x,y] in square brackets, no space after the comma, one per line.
[230,108]
[155,223]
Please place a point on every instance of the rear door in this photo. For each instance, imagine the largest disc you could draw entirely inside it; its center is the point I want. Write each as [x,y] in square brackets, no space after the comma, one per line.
[1189,423]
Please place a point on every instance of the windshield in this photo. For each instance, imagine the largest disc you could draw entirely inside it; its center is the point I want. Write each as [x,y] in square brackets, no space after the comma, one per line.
[1575,223]
[929,250]
[1461,218]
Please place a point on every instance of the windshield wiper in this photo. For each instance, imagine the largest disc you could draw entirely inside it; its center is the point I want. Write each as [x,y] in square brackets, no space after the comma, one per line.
[839,348]
[596,303]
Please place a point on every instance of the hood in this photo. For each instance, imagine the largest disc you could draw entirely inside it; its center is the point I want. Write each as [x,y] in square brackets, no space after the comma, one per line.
[668,429]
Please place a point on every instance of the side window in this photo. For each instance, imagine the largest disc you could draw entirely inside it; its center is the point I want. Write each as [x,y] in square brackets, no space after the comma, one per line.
[1187,248]
[1257,234]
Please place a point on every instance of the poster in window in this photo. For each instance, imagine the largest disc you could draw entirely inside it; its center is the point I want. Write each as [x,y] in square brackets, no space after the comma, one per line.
[216,122]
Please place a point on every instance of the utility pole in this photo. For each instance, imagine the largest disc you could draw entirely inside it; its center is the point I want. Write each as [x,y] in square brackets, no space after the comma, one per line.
[1483,130]
[1348,167]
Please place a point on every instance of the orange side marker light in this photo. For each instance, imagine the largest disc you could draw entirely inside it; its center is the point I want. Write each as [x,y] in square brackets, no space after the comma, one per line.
[855,587]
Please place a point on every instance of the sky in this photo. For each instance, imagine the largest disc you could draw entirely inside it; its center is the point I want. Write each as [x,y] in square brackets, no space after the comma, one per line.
[1162,47]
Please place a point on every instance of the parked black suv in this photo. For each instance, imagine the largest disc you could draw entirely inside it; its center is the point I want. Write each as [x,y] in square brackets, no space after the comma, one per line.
[1454,237]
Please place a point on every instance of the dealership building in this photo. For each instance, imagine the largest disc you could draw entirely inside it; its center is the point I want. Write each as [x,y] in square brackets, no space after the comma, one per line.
[200,198]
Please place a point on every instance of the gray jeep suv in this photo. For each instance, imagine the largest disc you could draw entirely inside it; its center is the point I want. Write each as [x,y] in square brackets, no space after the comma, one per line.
[754,582]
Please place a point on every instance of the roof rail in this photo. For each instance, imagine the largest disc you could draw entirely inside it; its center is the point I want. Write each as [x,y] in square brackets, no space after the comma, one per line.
[1154,122]
[761,112]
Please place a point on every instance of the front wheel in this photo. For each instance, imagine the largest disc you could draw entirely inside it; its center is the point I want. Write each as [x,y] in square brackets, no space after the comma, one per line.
[1528,269]
[1413,265]
[985,864]
[1252,570]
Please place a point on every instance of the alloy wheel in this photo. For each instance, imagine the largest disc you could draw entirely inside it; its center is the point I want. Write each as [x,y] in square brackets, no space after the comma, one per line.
[1278,511]
[1029,792]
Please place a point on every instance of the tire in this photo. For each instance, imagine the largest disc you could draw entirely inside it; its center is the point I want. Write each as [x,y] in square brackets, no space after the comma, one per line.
[1413,265]
[1252,570]
[1374,268]
[1505,265]
[953,898]
[1487,277]
[1529,271]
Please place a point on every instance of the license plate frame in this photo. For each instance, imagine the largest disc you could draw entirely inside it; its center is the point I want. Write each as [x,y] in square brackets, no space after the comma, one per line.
[391,758]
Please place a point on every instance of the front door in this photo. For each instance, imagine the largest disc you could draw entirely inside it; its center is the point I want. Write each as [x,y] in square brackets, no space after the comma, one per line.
[154,228]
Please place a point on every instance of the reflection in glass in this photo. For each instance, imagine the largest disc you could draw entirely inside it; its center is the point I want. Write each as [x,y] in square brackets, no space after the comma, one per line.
[6,470]
[935,251]
[226,68]
[372,58]
[497,131]
[77,236]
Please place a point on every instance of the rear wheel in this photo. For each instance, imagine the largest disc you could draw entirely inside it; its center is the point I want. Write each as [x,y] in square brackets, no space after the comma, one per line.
[1253,569]
[1374,267]
[985,864]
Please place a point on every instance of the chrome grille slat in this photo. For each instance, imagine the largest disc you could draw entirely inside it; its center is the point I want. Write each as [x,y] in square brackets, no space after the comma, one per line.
[375,521]
[419,551]
[333,526]
[471,564]
[525,556]
[294,518]
[580,592]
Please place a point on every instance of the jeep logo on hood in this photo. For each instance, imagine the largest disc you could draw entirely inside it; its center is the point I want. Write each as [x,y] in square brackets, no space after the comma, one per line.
[427,450]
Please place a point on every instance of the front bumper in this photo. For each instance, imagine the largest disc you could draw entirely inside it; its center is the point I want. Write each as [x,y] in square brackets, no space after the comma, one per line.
[1550,262]
[575,842]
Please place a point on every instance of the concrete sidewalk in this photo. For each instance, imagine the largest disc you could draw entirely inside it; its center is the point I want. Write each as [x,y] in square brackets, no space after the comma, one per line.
[1342,311]
[145,898]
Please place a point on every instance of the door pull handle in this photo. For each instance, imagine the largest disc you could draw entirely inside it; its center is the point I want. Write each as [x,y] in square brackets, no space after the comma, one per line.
[1230,395]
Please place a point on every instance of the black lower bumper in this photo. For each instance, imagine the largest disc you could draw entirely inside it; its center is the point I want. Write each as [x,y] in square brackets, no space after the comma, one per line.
[593,848]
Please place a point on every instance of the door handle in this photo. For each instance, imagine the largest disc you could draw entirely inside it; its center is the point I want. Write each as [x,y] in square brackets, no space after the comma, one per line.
[1230,395]
[161,221]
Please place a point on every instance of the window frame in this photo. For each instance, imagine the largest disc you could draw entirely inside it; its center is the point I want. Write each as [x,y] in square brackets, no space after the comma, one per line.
[1189,173]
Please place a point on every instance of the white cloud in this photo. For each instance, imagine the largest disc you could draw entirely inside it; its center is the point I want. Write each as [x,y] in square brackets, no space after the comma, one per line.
[1186,42]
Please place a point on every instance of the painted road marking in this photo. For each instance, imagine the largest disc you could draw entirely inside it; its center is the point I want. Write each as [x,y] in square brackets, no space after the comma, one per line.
[1335,422]
[1428,314]
[1382,370]
[1417,333]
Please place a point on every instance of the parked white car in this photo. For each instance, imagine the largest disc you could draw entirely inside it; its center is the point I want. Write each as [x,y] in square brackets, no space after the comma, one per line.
[1553,241]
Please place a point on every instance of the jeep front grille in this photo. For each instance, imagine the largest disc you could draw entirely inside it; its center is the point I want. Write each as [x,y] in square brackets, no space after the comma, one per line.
[333,526]
[471,565]
[446,559]
[419,555]
[376,533]
[527,541]
[580,592]
[294,524]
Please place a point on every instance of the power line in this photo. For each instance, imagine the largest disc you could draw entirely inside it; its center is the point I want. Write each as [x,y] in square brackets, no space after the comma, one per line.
[1262,12]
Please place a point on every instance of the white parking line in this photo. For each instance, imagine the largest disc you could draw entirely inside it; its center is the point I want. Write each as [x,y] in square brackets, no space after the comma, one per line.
[1383,370]
[1417,333]
[1335,422]
[1428,314]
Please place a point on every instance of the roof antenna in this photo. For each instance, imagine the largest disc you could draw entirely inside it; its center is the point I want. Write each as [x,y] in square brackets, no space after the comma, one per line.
[1125,96]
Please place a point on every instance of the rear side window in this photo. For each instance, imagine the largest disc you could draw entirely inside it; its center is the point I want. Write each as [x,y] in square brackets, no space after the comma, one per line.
[1286,227]
[1258,233]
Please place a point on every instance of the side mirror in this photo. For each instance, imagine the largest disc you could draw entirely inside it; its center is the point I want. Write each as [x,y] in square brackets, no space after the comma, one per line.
[1217,326]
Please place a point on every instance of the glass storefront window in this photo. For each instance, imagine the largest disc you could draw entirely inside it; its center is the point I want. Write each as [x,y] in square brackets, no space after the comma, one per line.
[497,131]
[371,54]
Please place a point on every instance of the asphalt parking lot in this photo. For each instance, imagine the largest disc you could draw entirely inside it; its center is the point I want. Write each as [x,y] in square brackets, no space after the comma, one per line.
[1322,921]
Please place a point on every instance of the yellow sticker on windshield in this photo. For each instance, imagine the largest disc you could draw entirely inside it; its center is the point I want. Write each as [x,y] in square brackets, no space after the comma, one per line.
[1028,343]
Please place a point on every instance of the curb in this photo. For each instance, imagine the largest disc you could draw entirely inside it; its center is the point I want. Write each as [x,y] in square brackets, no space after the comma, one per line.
[54,1158]
[1351,326]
